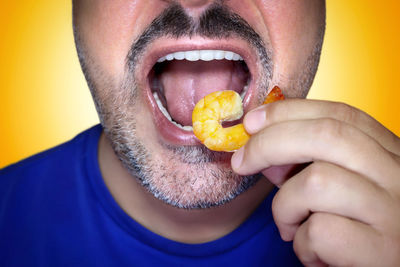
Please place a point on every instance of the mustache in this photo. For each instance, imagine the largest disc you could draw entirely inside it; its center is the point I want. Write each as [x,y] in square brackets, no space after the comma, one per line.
[216,22]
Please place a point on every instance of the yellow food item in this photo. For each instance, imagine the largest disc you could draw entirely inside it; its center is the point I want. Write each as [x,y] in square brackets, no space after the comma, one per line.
[210,112]
[213,109]
[275,95]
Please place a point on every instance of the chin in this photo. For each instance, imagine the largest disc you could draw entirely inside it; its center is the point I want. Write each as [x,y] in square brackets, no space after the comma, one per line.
[188,177]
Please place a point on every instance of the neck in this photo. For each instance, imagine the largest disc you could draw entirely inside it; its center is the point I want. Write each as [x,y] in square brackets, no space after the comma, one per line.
[187,226]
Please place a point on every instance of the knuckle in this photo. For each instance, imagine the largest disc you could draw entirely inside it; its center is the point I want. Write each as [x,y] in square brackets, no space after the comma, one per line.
[328,130]
[281,206]
[347,113]
[275,206]
[315,179]
[358,118]
[316,225]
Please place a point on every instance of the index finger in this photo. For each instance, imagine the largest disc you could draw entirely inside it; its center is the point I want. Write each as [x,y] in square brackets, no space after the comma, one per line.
[328,140]
[301,109]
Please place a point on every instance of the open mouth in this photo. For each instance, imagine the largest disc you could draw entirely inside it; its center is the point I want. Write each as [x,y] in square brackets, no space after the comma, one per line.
[179,76]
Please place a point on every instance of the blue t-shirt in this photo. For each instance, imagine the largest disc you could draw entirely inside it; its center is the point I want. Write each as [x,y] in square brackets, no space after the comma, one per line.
[55,210]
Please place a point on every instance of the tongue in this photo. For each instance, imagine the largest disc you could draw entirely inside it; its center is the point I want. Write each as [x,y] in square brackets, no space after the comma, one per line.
[185,83]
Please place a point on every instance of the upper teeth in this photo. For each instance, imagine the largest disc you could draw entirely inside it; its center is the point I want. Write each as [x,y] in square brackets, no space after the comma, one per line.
[205,55]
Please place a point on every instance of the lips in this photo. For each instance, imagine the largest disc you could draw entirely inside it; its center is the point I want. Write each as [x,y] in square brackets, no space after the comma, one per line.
[175,74]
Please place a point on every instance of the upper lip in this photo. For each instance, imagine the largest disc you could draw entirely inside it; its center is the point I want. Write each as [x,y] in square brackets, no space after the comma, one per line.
[164,46]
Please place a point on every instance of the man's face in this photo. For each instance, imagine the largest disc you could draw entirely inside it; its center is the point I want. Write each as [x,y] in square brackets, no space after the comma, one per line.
[119,43]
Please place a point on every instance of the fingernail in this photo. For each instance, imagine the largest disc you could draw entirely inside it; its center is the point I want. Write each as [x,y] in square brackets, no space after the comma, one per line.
[254,120]
[237,159]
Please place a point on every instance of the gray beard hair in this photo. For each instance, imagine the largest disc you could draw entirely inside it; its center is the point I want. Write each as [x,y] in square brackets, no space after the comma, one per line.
[187,177]
[203,183]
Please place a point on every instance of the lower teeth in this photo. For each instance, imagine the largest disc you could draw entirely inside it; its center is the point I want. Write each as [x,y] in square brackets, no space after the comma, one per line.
[187,127]
[166,114]
[244,91]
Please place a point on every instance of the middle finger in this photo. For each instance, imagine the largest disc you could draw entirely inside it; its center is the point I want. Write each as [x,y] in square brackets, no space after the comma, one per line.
[324,187]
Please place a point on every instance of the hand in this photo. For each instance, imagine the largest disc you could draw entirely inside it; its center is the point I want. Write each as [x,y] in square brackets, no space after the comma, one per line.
[343,208]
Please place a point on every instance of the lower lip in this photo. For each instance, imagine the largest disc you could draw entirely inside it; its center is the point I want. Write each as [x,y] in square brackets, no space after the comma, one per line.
[168,131]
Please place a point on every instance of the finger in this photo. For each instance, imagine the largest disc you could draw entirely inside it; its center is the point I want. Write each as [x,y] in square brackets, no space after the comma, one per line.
[316,140]
[300,109]
[279,174]
[337,241]
[324,187]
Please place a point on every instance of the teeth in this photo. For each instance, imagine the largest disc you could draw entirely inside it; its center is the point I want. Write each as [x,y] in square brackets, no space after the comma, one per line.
[235,57]
[205,55]
[187,127]
[166,114]
[179,55]
[162,59]
[218,54]
[192,55]
[244,91]
[229,55]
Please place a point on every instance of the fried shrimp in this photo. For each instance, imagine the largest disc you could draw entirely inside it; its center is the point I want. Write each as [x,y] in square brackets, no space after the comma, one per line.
[207,116]
[220,106]
[275,95]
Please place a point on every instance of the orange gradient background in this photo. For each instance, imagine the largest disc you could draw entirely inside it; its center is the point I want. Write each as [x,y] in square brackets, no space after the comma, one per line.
[44,99]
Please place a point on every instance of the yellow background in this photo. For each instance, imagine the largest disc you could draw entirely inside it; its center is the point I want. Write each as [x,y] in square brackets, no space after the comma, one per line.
[44,99]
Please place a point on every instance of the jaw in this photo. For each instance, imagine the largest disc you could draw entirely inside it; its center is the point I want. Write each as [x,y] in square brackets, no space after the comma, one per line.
[168,130]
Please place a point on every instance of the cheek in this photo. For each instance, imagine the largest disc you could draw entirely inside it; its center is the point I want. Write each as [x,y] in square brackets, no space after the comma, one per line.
[108,28]
[291,27]
[251,12]
[295,27]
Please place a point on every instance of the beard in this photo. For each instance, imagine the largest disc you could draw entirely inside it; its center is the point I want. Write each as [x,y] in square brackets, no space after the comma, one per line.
[188,177]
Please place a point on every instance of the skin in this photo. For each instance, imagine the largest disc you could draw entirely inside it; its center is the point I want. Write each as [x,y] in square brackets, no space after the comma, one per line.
[343,147]
[343,209]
